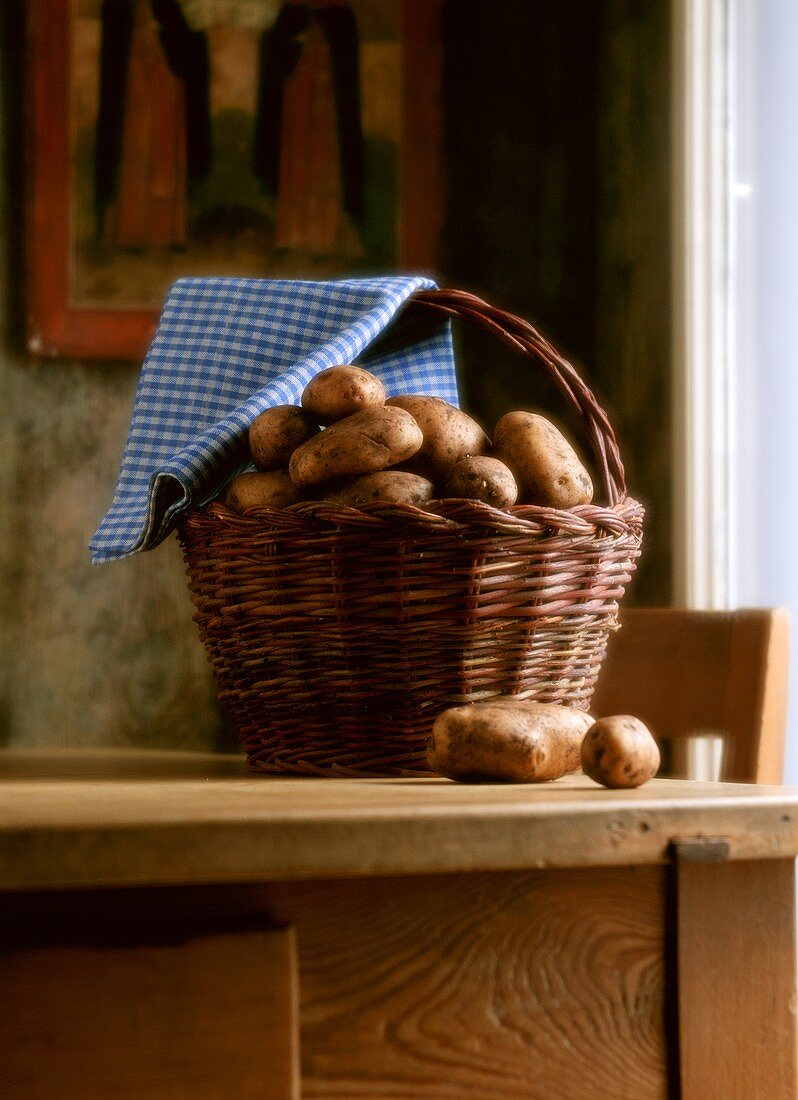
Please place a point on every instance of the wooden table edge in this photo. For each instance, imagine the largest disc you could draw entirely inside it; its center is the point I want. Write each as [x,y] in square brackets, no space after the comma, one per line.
[284,848]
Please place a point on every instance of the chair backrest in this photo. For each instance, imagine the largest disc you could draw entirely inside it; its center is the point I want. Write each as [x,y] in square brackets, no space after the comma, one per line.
[704,672]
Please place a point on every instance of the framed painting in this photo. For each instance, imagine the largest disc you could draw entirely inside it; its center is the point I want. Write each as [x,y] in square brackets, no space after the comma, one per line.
[258,138]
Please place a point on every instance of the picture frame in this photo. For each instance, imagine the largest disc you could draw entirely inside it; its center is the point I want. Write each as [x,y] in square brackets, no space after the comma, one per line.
[84,288]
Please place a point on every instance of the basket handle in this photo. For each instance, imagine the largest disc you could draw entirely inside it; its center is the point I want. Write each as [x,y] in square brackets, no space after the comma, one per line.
[521,335]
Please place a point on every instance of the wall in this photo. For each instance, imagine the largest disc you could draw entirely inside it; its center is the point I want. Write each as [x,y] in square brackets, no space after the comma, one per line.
[558,200]
[90,655]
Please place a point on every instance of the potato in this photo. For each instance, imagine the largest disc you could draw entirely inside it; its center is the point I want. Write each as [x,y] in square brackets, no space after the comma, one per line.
[544,463]
[276,434]
[483,478]
[507,739]
[449,433]
[363,443]
[420,468]
[619,751]
[338,392]
[261,490]
[394,486]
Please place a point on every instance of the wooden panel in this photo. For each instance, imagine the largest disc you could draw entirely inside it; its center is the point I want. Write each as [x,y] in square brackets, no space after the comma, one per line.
[558,208]
[756,697]
[520,123]
[225,829]
[482,987]
[669,667]
[737,996]
[207,1018]
[65,765]
[723,672]
[631,366]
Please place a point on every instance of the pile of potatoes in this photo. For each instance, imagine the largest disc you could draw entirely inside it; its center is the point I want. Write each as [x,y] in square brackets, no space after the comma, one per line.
[510,740]
[350,443]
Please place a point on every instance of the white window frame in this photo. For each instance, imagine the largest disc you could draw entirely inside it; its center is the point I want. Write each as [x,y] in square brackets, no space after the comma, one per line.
[704,375]
[703,363]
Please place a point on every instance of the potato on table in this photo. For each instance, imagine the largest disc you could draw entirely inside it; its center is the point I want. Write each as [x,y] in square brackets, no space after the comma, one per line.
[620,751]
[274,489]
[449,433]
[392,486]
[340,391]
[545,465]
[507,740]
[482,478]
[363,443]
[276,434]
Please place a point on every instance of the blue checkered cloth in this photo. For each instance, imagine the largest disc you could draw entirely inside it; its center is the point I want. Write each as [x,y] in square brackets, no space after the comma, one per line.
[226,350]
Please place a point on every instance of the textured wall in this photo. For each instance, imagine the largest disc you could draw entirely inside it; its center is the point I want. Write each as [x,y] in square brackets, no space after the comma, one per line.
[90,655]
[558,209]
[632,365]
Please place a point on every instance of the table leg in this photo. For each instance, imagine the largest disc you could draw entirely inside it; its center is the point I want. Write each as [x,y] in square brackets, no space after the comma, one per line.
[737,981]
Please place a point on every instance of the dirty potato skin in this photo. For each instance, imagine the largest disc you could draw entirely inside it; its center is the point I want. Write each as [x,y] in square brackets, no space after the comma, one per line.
[545,465]
[449,433]
[338,392]
[619,751]
[507,740]
[363,443]
[274,489]
[276,434]
[483,478]
[393,486]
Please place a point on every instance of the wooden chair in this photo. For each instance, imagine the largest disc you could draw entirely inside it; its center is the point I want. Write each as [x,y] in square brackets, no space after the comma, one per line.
[688,673]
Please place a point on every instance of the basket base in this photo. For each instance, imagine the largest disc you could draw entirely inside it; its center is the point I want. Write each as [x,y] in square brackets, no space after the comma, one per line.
[338,637]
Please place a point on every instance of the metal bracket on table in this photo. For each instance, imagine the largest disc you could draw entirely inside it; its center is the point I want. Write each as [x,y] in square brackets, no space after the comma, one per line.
[700,849]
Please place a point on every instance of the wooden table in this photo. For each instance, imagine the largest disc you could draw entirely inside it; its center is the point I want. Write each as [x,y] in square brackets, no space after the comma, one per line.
[175,928]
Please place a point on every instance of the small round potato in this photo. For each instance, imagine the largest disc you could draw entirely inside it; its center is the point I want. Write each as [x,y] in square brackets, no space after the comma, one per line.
[507,740]
[545,465]
[619,751]
[483,478]
[363,443]
[276,434]
[274,489]
[338,392]
[449,433]
[393,486]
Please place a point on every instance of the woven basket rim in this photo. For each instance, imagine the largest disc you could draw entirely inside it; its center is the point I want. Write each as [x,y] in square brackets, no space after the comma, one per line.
[453,515]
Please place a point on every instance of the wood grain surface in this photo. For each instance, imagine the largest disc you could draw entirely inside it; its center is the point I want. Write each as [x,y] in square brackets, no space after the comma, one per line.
[101,831]
[689,672]
[737,980]
[543,984]
[482,987]
[169,1017]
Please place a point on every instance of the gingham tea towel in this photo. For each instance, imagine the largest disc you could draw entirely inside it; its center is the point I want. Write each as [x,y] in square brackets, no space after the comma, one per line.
[224,351]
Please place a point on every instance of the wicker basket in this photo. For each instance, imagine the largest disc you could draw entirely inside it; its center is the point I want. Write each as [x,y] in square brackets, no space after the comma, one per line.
[337,635]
